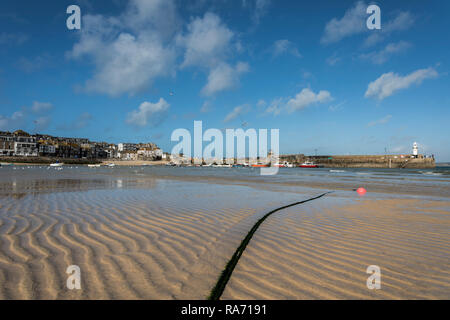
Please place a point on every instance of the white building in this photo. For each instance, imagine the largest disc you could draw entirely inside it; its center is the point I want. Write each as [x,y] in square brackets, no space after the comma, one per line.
[6,144]
[25,146]
[129,155]
[126,147]
[147,153]
[415,150]
[47,149]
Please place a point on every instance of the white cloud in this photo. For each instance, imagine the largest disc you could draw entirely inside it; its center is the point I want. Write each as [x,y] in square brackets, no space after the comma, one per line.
[128,51]
[237,111]
[261,103]
[303,99]
[276,106]
[15,121]
[307,97]
[333,60]
[388,83]
[284,46]
[224,77]
[153,16]
[403,21]
[380,121]
[206,107]
[353,22]
[207,41]
[38,107]
[380,57]
[337,107]
[259,8]
[148,113]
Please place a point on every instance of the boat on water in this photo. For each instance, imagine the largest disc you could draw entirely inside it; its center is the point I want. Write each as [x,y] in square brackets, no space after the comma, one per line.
[260,165]
[309,164]
[281,165]
[56,164]
[94,165]
[288,164]
[111,165]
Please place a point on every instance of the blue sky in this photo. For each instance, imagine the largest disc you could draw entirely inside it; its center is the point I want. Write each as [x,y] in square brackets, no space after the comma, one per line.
[139,69]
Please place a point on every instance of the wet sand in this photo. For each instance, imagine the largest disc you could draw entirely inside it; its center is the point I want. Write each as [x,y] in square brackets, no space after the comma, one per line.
[150,236]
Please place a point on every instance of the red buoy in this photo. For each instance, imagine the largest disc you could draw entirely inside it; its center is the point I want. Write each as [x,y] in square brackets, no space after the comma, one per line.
[361,191]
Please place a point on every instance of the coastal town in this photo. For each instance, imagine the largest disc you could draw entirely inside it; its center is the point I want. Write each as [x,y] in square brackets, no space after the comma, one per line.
[20,144]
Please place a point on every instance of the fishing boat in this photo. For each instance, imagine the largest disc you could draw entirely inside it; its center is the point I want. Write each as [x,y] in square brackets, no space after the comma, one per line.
[308,164]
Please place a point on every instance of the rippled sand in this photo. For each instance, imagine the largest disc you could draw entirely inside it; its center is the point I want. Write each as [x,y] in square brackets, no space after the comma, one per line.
[170,242]
[322,251]
[137,235]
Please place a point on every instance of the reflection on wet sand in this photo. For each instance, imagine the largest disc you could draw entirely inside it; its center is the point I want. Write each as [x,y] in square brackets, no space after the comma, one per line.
[20,188]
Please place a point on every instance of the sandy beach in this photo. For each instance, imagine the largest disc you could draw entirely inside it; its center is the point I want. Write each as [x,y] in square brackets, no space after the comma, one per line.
[155,234]
[321,251]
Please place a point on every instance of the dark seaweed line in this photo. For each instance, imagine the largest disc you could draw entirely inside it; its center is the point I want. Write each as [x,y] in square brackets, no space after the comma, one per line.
[219,288]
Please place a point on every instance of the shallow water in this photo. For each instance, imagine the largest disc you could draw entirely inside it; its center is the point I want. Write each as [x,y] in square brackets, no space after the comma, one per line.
[20,180]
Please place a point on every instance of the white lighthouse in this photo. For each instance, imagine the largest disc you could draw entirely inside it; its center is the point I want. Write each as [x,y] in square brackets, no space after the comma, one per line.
[415,150]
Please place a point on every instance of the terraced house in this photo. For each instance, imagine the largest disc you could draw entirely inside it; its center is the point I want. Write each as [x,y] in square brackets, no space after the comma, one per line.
[6,144]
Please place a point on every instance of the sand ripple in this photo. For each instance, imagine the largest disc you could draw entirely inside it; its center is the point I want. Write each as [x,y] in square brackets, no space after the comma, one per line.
[169,242]
[315,251]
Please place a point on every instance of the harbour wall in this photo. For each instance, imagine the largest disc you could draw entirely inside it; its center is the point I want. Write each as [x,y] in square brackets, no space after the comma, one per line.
[364,161]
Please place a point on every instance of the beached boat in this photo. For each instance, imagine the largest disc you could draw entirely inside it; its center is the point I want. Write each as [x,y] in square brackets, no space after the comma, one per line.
[308,164]
[6,164]
[56,164]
